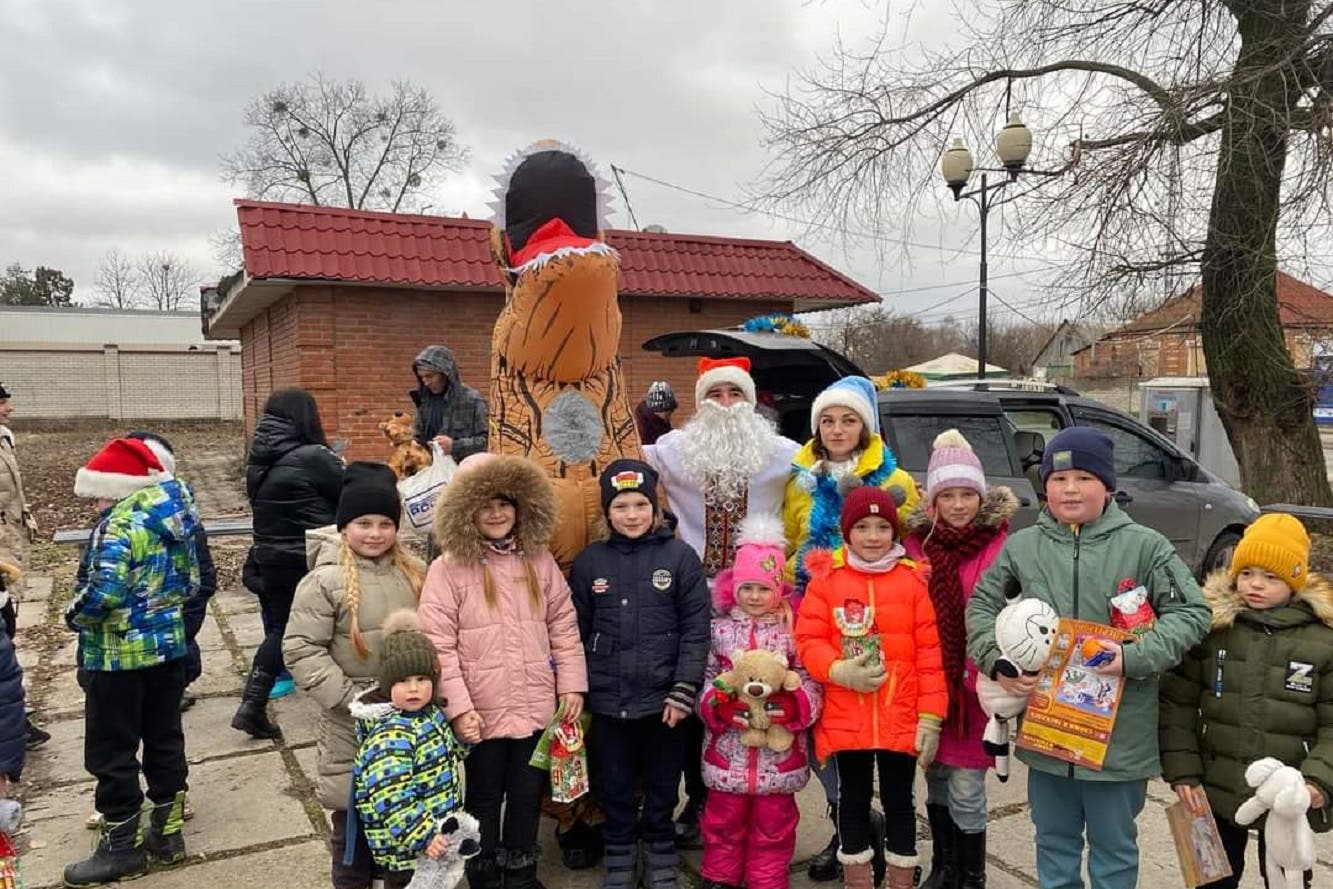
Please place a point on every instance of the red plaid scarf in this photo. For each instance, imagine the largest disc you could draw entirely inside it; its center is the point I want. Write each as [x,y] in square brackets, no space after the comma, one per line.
[947,548]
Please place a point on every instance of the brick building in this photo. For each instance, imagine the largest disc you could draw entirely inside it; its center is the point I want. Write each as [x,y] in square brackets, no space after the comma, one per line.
[339,301]
[1166,342]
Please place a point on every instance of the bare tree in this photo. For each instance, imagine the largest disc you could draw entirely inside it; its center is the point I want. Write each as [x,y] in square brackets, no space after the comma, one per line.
[328,142]
[167,281]
[117,282]
[1185,135]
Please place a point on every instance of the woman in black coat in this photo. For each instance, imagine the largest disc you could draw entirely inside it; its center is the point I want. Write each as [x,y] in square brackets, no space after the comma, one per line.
[293,481]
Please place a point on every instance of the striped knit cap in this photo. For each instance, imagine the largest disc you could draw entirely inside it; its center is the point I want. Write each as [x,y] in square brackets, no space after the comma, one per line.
[953,464]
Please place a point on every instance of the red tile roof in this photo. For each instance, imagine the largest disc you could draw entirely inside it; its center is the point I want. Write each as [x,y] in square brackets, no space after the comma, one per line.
[333,243]
[1299,305]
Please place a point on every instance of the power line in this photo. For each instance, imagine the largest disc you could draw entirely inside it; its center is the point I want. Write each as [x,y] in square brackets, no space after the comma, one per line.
[818,225]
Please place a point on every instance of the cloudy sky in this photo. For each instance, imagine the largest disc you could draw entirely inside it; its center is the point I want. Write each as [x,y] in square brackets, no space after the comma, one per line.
[113,114]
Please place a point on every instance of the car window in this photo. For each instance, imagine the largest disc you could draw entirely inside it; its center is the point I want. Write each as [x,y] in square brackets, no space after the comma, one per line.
[1135,456]
[914,434]
[1042,421]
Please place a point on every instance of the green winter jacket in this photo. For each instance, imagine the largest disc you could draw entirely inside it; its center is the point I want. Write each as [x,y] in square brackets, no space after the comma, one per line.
[1077,570]
[1263,684]
[406,779]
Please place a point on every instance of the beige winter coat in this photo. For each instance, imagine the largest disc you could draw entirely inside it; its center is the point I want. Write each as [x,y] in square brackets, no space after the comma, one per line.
[13,535]
[317,649]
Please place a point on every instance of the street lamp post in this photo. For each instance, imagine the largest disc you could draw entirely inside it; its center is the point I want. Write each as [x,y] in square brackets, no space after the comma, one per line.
[1013,144]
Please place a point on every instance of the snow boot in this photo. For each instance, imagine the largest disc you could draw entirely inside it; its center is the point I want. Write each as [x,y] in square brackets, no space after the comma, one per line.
[252,716]
[165,842]
[118,855]
[943,865]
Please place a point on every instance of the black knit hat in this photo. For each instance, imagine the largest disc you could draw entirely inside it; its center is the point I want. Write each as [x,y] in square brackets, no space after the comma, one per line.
[406,651]
[623,476]
[4,393]
[368,489]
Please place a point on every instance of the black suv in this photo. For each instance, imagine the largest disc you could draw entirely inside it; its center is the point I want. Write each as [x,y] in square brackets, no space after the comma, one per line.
[1008,424]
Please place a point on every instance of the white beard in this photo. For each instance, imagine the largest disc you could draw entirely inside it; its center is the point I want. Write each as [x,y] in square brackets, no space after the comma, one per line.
[722,447]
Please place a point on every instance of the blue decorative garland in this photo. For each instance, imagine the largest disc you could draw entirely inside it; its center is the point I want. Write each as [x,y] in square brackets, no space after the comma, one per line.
[826,509]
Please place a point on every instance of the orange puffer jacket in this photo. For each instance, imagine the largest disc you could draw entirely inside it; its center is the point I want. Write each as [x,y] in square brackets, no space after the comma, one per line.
[904,620]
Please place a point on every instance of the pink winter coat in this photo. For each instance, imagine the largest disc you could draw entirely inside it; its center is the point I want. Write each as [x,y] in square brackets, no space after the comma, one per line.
[728,765]
[960,745]
[510,662]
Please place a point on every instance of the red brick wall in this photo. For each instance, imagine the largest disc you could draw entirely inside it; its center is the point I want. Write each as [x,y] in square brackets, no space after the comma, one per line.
[353,347]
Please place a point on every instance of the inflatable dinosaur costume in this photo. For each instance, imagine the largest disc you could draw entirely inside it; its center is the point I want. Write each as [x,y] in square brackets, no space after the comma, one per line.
[557,392]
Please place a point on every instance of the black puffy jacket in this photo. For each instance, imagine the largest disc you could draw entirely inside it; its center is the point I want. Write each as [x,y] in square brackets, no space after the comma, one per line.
[645,617]
[292,486]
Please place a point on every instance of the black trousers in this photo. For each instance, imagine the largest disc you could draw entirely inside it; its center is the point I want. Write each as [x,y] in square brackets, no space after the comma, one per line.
[126,708]
[498,775]
[1234,839]
[362,870]
[693,729]
[856,775]
[279,589]
[632,753]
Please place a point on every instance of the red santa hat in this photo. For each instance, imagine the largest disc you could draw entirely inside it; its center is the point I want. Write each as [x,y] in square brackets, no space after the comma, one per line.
[122,467]
[713,371]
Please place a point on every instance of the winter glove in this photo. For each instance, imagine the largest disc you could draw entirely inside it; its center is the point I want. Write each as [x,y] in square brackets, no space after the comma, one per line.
[31,524]
[859,673]
[927,738]
[781,708]
[732,712]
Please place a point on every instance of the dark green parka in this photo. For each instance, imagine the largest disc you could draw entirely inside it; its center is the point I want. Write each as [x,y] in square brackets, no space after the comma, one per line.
[1260,684]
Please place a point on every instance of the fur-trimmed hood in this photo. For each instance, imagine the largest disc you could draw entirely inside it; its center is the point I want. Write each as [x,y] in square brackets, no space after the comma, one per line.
[1224,599]
[997,507]
[371,706]
[498,476]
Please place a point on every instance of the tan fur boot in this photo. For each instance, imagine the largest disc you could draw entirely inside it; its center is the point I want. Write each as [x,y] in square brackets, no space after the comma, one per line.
[902,871]
[856,870]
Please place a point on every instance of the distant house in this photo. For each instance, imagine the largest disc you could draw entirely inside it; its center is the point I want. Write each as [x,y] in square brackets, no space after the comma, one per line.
[1166,342]
[339,301]
[1055,359]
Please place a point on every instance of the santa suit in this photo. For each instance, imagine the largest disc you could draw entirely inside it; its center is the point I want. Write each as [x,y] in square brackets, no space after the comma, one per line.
[711,531]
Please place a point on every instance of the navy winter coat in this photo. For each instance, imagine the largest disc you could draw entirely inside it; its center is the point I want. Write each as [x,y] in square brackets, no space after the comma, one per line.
[644,616]
[13,722]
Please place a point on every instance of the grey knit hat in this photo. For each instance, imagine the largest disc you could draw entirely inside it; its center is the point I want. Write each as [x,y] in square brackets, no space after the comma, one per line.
[660,396]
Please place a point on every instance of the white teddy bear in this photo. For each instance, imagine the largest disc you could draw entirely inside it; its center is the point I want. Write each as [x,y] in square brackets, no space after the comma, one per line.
[464,835]
[1280,791]
[1024,631]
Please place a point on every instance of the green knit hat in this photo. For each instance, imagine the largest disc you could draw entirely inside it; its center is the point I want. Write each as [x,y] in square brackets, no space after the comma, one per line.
[406,651]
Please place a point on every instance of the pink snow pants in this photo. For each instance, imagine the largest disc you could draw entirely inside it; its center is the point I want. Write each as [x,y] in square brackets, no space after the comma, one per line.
[749,839]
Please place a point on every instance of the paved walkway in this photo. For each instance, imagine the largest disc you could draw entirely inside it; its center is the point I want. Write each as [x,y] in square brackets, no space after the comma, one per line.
[257,823]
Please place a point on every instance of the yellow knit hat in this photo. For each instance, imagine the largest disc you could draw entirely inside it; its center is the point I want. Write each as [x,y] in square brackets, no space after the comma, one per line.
[1277,543]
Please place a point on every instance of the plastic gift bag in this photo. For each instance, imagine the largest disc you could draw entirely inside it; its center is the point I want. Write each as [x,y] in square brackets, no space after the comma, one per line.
[569,762]
[420,491]
[1130,609]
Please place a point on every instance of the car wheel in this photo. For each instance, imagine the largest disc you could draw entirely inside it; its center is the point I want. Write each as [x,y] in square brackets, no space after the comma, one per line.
[1219,554]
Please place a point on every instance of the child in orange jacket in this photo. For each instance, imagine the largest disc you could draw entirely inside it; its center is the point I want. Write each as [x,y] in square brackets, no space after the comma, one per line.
[867,632]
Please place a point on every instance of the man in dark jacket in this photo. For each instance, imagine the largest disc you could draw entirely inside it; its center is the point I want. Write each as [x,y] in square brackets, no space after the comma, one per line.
[645,617]
[448,412]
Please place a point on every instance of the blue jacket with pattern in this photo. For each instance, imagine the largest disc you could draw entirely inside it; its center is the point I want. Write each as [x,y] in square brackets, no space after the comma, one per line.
[142,566]
[406,778]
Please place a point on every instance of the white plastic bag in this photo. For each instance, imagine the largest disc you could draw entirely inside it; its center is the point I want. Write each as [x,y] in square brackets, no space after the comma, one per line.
[420,491]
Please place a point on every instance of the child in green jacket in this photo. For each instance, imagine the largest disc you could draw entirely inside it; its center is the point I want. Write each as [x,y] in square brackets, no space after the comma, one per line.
[1082,552]
[1260,685]
[406,779]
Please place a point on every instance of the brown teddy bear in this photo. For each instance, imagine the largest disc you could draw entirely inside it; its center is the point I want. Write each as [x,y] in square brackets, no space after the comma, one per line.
[408,457]
[753,678]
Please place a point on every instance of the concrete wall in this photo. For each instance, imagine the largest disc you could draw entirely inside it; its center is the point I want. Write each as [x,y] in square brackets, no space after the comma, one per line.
[143,382]
[90,326]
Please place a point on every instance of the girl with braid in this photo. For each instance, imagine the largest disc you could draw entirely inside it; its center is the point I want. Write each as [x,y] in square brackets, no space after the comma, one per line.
[959,530]
[359,576]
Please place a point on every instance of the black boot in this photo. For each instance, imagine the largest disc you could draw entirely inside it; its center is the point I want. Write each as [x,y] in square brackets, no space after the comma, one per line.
[878,866]
[580,846]
[34,735]
[824,867]
[252,716]
[687,825]
[188,700]
[620,864]
[659,866]
[520,869]
[165,842]
[483,872]
[973,855]
[943,857]
[119,855]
